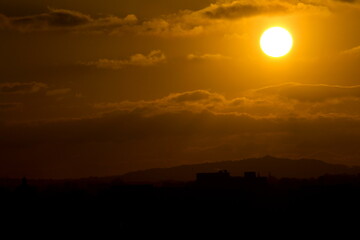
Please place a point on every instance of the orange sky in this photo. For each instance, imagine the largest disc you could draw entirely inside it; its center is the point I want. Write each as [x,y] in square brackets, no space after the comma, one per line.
[106,87]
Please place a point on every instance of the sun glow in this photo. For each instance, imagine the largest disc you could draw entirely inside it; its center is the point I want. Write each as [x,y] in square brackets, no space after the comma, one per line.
[276,42]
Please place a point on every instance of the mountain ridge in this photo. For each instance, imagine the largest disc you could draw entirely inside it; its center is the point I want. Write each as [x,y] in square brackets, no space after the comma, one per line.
[277,167]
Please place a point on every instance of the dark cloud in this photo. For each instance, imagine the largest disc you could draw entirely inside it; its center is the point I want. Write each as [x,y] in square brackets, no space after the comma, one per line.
[57,92]
[348,1]
[129,140]
[62,19]
[196,96]
[10,106]
[4,21]
[311,92]
[285,100]
[22,87]
[207,56]
[153,58]
[189,23]
[189,127]
[240,9]
[54,18]
[181,23]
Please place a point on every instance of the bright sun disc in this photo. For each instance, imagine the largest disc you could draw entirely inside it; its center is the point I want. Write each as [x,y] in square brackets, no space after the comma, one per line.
[276,42]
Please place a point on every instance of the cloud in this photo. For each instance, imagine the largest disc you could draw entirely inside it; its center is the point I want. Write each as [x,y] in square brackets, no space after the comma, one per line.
[21,87]
[153,58]
[310,92]
[4,21]
[355,51]
[4,107]
[222,13]
[280,101]
[62,19]
[244,8]
[207,56]
[193,101]
[348,1]
[240,9]
[187,127]
[180,24]
[194,96]
[181,128]
[57,92]
[54,18]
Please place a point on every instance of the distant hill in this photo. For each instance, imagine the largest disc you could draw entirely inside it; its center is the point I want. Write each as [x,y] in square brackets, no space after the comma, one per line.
[277,167]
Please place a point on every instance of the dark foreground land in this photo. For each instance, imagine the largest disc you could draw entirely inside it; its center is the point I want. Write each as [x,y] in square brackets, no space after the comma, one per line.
[91,204]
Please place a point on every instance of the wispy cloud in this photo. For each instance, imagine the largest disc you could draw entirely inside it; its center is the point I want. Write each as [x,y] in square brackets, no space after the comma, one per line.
[207,56]
[153,58]
[355,51]
[63,19]
[58,92]
[181,23]
[4,107]
[22,87]
[193,126]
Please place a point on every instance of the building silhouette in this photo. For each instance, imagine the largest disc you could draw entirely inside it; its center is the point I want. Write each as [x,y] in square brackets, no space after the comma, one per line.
[224,179]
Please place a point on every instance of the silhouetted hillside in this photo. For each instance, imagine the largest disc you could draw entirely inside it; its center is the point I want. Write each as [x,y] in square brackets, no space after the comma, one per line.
[278,167]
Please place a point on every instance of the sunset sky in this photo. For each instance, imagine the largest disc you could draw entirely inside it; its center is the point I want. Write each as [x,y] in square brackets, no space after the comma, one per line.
[98,88]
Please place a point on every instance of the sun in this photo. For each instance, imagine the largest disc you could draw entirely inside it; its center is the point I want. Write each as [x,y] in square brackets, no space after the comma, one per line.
[276,42]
